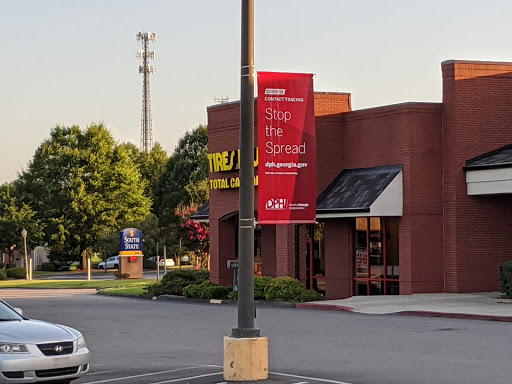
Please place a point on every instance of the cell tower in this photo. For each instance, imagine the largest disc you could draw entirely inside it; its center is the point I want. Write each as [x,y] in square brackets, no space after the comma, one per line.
[146,130]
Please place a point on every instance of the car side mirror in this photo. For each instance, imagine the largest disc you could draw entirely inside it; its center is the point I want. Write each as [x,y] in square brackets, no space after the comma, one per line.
[19,310]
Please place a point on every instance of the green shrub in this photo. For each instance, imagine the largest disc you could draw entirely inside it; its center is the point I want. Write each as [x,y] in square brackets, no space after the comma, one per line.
[505,272]
[148,264]
[260,283]
[280,289]
[17,273]
[233,295]
[218,292]
[283,289]
[197,291]
[48,267]
[206,290]
[1,264]
[175,281]
[309,295]
[289,290]
[3,275]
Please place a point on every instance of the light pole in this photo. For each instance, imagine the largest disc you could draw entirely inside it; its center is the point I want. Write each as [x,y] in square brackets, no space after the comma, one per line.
[245,327]
[24,234]
[245,351]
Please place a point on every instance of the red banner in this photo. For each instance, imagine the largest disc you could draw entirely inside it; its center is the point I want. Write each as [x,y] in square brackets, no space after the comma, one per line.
[286,148]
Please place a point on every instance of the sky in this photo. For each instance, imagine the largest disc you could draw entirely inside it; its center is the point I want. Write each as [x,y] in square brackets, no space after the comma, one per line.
[74,62]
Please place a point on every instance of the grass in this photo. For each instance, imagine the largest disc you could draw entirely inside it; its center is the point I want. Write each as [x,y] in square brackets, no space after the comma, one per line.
[127,290]
[69,284]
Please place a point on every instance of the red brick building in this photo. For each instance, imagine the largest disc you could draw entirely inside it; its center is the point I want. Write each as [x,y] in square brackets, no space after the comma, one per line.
[412,198]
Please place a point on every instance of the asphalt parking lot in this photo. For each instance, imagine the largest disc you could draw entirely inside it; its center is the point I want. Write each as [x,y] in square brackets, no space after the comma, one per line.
[200,374]
[155,342]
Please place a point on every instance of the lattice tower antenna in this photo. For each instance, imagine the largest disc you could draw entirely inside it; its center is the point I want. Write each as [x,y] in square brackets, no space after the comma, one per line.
[146,130]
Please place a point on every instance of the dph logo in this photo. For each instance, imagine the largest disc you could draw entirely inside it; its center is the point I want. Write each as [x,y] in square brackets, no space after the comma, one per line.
[276,204]
[275,91]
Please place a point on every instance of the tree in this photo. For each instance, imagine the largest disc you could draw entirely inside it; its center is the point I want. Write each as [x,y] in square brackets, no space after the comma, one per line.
[195,236]
[188,164]
[151,165]
[14,216]
[81,183]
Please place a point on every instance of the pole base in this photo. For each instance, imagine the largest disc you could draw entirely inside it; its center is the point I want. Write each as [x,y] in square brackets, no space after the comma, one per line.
[245,359]
[245,332]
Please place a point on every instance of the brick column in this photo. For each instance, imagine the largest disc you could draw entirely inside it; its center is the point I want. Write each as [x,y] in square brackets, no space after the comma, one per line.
[285,250]
[222,249]
[338,258]
[268,250]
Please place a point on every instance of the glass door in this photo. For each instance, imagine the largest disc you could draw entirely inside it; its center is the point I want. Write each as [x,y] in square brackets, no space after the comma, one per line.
[372,274]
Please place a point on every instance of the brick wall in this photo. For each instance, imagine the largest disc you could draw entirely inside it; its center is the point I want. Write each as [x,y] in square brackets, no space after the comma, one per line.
[408,134]
[223,135]
[477,102]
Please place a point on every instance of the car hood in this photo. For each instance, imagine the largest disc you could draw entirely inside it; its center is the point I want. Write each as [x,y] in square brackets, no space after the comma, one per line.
[35,331]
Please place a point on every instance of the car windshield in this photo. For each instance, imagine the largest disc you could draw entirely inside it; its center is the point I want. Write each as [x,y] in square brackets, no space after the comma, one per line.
[8,314]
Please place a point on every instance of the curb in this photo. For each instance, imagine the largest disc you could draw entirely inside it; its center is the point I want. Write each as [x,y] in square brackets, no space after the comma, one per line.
[184,299]
[325,307]
[448,315]
[467,316]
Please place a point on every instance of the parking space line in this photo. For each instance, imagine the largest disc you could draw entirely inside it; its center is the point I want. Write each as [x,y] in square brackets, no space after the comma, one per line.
[141,375]
[188,378]
[294,376]
[100,372]
[310,378]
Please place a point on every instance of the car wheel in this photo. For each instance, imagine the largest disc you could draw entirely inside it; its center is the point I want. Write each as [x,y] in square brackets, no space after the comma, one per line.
[101,267]
[116,266]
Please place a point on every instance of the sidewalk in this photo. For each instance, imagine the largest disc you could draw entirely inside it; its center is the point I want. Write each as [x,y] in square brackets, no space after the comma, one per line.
[478,306]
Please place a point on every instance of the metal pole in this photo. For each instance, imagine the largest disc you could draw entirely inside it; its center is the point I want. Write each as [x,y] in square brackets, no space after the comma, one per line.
[30,269]
[157,264]
[24,234]
[246,311]
[89,268]
[165,260]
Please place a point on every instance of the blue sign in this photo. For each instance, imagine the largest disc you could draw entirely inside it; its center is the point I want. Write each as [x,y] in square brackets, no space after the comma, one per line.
[130,242]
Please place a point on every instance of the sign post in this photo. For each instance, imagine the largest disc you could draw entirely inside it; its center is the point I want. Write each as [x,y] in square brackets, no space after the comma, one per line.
[130,253]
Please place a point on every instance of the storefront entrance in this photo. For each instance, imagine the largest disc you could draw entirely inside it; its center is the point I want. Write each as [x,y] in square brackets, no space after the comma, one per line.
[376,257]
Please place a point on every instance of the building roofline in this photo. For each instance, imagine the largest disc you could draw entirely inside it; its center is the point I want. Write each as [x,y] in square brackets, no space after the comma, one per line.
[475,62]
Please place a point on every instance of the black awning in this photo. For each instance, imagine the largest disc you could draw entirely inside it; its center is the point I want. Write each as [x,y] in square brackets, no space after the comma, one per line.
[203,213]
[498,158]
[355,192]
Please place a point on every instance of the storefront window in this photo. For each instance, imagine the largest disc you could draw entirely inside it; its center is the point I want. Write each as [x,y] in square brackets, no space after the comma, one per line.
[361,247]
[376,267]
[315,257]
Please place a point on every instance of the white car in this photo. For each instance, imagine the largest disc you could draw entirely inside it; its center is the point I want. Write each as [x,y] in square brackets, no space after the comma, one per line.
[112,262]
[168,262]
[33,351]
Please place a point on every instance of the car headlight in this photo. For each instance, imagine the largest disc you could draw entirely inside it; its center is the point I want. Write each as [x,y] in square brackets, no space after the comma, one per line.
[81,342]
[13,348]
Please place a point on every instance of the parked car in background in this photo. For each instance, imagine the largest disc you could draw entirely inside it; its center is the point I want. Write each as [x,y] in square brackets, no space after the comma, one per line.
[185,259]
[111,262]
[33,351]
[168,262]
